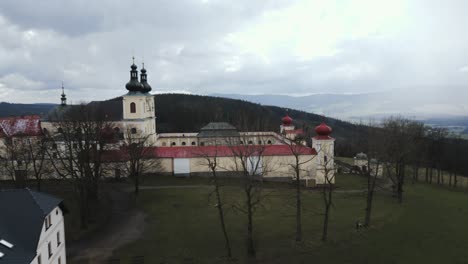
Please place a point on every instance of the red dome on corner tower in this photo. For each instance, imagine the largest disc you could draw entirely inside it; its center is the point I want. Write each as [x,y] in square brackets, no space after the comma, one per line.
[323,130]
[287,121]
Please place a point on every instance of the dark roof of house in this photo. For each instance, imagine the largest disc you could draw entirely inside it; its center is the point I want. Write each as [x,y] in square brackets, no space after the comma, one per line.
[218,129]
[22,214]
[110,110]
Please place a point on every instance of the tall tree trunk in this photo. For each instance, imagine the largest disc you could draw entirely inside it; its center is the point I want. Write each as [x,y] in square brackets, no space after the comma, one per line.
[427,174]
[137,183]
[221,216]
[298,208]
[367,219]
[250,243]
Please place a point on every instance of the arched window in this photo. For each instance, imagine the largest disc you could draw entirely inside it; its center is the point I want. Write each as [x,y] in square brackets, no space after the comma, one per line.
[164,144]
[202,144]
[116,129]
[259,142]
[173,143]
[132,108]
[134,131]
[250,142]
[269,142]
[193,143]
[60,130]
[183,144]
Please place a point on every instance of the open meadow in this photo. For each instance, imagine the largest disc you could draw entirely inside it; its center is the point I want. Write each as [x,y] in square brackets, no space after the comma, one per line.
[182,226]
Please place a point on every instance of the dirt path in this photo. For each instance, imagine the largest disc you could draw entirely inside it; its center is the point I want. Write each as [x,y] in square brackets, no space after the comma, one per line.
[125,226]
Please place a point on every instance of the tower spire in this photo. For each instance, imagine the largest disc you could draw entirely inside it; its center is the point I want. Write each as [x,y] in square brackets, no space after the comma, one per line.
[144,80]
[63,99]
[134,85]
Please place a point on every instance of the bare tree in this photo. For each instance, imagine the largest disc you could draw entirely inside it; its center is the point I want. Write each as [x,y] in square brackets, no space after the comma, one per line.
[400,137]
[76,149]
[139,156]
[297,166]
[37,152]
[250,165]
[327,188]
[209,156]
[16,160]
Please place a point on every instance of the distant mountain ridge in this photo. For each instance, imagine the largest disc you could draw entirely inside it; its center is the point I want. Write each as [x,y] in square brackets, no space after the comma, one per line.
[12,109]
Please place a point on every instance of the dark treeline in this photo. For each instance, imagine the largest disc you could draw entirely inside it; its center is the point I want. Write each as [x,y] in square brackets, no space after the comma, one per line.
[188,113]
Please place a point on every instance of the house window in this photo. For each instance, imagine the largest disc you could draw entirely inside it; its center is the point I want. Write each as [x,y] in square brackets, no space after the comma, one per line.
[39,259]
[132,108]
[134,130]
[49,249]
[59,261]
[325,159]
[58,239]
[48,222]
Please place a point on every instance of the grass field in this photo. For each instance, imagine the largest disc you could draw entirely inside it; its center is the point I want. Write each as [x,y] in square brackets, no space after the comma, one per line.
[182,227]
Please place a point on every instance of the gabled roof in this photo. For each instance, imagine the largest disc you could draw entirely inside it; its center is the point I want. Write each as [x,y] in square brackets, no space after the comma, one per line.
[20,126]
[218,129]
[22,214]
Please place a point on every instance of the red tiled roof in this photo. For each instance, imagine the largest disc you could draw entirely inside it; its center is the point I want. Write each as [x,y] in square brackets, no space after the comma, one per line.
[219,151]
[20,126]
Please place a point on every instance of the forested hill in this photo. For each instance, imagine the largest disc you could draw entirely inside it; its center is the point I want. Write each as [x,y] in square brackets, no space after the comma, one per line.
[8,109]
[188,113]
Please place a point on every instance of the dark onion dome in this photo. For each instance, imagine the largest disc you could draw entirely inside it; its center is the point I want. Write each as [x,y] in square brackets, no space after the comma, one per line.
[134,85]
[323,130]
[287,121]
[144,81]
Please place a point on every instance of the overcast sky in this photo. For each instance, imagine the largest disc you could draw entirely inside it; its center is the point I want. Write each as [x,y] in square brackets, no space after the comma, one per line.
[414,48]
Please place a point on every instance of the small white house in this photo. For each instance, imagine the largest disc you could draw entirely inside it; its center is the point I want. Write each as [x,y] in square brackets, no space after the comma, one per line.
[32,228]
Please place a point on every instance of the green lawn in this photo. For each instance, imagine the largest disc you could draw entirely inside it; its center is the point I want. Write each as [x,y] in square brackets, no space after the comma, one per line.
[182,227]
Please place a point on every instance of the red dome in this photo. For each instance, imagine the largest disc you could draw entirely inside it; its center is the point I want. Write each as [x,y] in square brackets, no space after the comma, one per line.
[286,120]
[323,130]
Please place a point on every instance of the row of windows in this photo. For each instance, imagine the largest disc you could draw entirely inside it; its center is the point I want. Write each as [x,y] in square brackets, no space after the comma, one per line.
[133,108]
[250,142]
[50,253]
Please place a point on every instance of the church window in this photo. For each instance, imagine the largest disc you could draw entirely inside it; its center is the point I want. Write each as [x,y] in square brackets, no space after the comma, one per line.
[132,108]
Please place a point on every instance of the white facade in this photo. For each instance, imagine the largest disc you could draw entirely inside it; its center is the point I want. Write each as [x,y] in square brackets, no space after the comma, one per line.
[138,112]
[51,245]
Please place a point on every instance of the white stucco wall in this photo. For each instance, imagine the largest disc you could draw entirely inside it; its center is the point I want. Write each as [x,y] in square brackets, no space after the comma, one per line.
[50,235]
